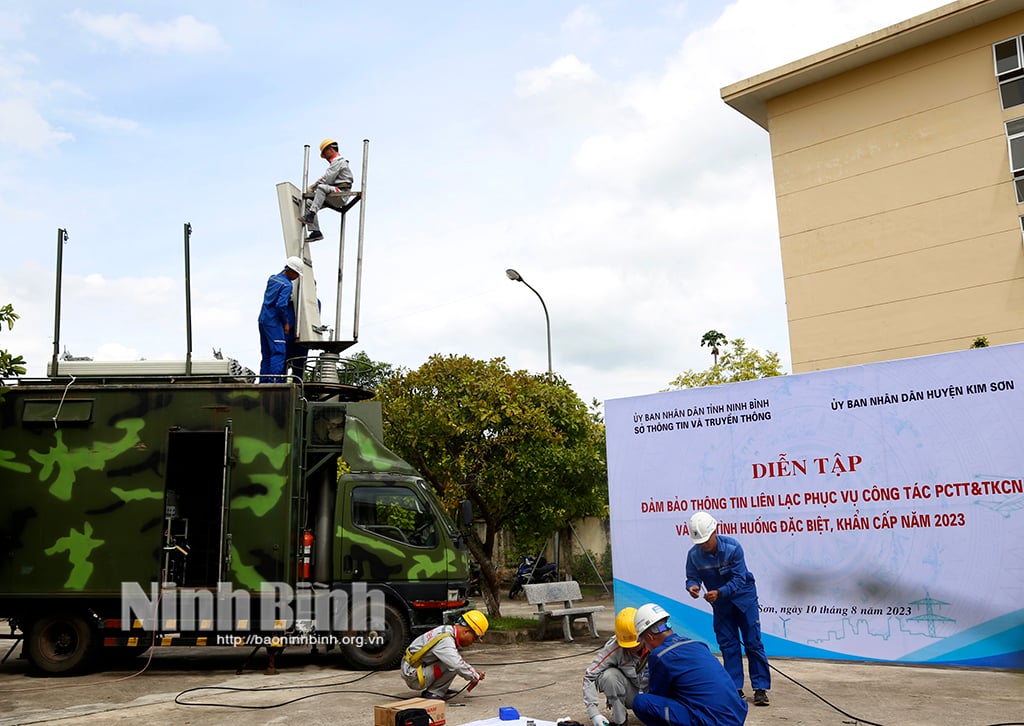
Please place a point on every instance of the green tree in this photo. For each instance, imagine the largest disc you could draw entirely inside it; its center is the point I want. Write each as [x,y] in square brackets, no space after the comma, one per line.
[980,342]
[522,447]
[359,370]
[714,339]
[10,365]
[736,364]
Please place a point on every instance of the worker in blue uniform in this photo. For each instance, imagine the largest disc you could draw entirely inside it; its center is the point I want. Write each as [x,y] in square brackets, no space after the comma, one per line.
[717,563]
[687,686]
[277,321]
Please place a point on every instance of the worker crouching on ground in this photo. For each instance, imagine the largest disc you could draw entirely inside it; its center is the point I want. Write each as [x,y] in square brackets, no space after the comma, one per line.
[433,660]
[687,686]
[618,671]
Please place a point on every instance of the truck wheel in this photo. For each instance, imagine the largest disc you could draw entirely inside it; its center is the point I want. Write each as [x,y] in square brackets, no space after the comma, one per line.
[61,644]
[381,649]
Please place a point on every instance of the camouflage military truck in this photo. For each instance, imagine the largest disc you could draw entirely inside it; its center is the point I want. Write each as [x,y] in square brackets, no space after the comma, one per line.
[212,490]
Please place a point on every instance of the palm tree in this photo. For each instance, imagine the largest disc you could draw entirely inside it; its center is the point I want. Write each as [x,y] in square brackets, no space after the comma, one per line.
[713,338]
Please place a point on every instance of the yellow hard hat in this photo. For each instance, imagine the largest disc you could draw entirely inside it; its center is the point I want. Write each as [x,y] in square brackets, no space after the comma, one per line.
[625,630]
[327,142]
[475,621]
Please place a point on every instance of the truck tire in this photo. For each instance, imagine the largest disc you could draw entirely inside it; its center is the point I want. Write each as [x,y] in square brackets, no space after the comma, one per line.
[385,655]
[61,644]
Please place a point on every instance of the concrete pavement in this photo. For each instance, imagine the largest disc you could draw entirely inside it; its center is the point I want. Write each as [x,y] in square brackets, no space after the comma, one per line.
[540,679]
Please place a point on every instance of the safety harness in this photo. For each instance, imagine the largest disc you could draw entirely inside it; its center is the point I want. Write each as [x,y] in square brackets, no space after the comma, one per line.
[415,659]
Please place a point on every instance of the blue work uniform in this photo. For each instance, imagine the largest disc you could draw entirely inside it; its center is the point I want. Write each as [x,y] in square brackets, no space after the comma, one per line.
[735,611]
[277,311]
[688,687]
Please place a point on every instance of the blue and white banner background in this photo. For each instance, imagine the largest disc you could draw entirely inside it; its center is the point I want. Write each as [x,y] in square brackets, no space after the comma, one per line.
[880,507]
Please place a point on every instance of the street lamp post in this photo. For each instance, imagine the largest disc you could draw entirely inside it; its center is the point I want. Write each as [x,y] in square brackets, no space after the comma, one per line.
[513,275]
[516,277]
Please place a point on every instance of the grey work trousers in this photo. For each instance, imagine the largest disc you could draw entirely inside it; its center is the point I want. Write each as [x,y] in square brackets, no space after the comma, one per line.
[619,691]
[436,677]
[337,196]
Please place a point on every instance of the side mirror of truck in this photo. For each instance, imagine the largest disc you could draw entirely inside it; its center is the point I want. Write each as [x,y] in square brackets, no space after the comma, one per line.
[465,513]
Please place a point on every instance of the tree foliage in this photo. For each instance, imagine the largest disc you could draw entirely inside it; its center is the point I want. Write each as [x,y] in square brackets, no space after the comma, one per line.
[10,365]
[737,363]
[359,370]
[714,339]
[522,447]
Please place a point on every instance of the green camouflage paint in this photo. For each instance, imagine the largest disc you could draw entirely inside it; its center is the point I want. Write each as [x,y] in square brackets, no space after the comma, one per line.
[83,502]
[69,461]
[133,495]
[364,452]
[78,545]
[245,575]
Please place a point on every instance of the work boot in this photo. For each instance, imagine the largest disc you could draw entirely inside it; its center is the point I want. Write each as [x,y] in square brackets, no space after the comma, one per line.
[760,697]
[314,236]
[308,218]
[742,694]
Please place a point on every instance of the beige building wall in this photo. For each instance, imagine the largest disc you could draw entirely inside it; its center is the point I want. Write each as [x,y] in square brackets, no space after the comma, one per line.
[898,221]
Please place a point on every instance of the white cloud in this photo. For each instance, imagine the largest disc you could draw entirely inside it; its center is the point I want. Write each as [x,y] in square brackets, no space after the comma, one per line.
[102,121]
[184,34]
[614,179]
[12,25]
[566,71]
[23,127]
[582,20]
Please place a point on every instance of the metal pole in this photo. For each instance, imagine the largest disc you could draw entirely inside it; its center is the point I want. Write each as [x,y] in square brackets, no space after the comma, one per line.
[305,176]
[515,276]
[547,320]
[296,297]
[341,275]
[359,254]
[62,237]
[188,304]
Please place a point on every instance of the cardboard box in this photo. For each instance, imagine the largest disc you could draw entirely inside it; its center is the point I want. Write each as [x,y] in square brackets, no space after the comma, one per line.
[385,715]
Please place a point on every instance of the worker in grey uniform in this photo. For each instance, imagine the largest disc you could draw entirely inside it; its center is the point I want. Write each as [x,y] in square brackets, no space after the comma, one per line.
[335,184]
[433,660]
[619,670]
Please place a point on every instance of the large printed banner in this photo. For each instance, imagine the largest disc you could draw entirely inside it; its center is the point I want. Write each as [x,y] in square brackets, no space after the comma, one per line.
[880,507]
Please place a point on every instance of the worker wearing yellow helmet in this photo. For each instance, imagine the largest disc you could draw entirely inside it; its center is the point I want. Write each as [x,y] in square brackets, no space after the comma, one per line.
[433,660]
[334,187]
[618,671]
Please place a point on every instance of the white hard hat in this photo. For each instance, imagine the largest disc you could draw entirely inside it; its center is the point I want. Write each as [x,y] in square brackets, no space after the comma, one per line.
[647,616]
[295,264]
[702,526]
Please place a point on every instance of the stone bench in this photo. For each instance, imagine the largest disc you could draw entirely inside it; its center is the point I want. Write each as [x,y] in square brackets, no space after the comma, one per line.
[555,600]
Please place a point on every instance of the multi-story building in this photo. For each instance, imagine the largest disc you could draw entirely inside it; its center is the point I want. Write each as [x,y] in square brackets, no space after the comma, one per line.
[898,163]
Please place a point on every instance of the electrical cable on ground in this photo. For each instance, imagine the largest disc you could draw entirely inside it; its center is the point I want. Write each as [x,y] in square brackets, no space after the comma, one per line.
[823,699]
[235,689]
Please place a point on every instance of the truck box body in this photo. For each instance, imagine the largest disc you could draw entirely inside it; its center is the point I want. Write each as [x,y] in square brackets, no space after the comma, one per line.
[190,485]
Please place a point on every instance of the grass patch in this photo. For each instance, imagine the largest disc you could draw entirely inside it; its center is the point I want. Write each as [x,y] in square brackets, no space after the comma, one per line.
[510,623]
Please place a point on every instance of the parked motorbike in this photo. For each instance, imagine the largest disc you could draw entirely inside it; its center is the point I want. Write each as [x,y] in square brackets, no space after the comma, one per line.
[531,571]
[473,586]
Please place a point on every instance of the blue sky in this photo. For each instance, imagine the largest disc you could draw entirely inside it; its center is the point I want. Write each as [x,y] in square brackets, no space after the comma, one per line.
[583,144]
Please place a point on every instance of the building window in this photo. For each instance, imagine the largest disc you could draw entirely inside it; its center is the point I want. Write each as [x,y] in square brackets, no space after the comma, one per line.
[1015,138]
[1022,230]
[1009,66]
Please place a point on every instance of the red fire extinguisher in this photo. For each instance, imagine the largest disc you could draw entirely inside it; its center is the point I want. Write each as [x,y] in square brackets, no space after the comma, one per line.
[307,553]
